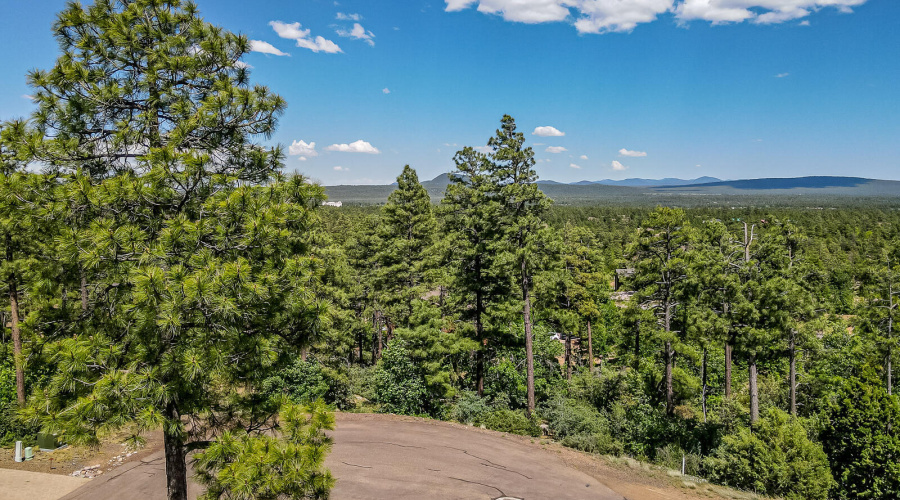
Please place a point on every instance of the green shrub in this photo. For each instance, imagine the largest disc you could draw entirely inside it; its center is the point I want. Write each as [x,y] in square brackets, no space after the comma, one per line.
[514,422]
[307,381]
[861,436]
[469,408]
[399,383]
[776,458]
[580,426]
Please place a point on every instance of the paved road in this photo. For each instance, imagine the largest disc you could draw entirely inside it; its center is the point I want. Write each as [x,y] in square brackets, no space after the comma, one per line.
[383,457]
[26,485]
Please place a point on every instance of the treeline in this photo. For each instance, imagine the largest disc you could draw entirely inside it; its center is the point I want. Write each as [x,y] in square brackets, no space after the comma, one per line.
[757,345]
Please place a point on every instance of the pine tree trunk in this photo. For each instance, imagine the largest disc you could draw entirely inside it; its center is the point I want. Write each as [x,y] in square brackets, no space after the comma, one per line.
[378,333]
[568,356]
[529,341]
[176,468]
[754,391]
[670,393]
[704,390]
[890,333]
[728,349]
[84,292]
[637,345]
[590,348]
[792,378]
[18,357]
[479,354]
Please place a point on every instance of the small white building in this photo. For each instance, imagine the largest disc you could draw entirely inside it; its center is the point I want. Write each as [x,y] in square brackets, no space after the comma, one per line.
[332,204]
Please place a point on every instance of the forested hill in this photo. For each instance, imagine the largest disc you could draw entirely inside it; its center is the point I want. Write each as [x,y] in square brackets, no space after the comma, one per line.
[791,190]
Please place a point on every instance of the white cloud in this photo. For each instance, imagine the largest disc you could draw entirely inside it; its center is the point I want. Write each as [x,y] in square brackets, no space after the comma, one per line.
[348,17]
[781,75]
[618,166]
[548,132]
[28,96]
[583,157]
[483,149]
[605,16]
[358,33]
[303,149]
[555,149]
[292,31]
[804,23]
[756,11]
[359,146]
[632,154]
[242,64]
[385,90]
[302,158]
[341,169]
[611,16]
[572,165]
[265,48]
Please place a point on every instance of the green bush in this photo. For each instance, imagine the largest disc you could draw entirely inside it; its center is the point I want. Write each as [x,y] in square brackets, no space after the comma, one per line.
[776,458]
[469,408]
[861,436]
[514,422]
[399,383]
[307,381]
[580,426]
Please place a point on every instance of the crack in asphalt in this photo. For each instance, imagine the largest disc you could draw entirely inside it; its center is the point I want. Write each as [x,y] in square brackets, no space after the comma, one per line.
[386,442]
[354,465]
[482,484]
[507,470]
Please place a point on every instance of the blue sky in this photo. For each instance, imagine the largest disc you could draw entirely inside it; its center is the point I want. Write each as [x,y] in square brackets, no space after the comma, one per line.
[640,88]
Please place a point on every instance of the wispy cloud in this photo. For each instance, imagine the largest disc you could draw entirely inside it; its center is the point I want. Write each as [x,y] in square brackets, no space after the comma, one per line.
[782,75]
[341,169]
[292,31]
[385,90]
[555,149]
[359,146]
[358,33]
[265,48]
[618,166]
[572,165]
[583,157]
[348,17]
[548,131]
[632,154]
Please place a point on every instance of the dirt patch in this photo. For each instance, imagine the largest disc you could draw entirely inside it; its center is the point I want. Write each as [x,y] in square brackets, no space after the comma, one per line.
[70,459]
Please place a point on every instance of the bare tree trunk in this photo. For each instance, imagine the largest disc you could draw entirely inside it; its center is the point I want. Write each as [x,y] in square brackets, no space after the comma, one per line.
[529,341]
[754,391]
[792,378]
[590,348]
[728,349]
[18,357]
[703,377]
[176,469]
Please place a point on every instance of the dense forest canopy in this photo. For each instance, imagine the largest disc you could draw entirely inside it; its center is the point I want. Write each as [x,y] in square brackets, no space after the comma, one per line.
[163,273]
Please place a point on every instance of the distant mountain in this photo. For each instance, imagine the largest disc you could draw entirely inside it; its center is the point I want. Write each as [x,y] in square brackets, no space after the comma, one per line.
[668,181]
[816,190]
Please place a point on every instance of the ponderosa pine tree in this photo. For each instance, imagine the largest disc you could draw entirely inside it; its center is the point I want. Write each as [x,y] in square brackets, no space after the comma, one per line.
[523,205]
[660,254]
[406,236]
[196,238]
[475,250]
